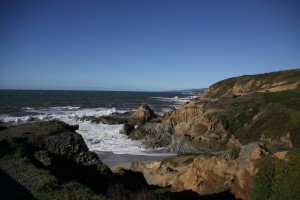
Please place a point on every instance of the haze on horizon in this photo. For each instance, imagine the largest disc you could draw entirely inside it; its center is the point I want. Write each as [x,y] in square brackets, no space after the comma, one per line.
[146,45]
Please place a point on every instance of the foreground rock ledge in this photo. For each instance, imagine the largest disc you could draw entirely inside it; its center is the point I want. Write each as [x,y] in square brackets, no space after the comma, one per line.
[206,174]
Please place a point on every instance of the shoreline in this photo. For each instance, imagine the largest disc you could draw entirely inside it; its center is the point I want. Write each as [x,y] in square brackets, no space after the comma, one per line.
[111,159]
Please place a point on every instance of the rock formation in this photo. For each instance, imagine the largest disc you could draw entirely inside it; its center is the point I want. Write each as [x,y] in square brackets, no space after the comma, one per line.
[45,158]
[208,124]
[140,116]
[49,160]
[206,173]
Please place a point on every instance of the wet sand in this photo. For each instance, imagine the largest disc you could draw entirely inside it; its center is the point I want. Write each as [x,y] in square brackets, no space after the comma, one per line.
[111,159]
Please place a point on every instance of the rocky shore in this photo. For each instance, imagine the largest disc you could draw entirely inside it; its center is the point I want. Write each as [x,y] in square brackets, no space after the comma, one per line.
[239,140]
[247,110]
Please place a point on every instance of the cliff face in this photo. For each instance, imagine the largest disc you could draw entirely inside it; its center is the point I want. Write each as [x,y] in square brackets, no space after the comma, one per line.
[241,117]
[207,173]
[212,124]
[269,82]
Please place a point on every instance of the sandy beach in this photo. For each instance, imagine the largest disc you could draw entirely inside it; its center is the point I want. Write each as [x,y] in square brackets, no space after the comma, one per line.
[110,159]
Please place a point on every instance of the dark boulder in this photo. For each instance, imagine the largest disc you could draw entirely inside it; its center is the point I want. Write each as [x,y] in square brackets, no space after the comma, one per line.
[40,140]
[154,134]
[127,129]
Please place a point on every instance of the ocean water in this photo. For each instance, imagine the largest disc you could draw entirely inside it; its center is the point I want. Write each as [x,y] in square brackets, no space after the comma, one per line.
[26,106]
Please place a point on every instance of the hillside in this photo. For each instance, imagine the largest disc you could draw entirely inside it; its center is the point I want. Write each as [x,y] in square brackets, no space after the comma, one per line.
[269,82]
[234,138]
[214,124]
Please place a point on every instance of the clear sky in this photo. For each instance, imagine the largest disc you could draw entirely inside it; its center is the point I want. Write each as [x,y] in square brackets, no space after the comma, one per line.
[143,44]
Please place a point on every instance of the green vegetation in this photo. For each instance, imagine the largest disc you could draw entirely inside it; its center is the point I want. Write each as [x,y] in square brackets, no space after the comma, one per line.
[52,190]
[223,87]
[278,179]
[162,190]
[288,98]
[274,115]
[273,121]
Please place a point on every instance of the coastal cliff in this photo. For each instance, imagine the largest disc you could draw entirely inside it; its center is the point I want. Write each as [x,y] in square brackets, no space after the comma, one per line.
[268,82]
[230,139]
[208,124]
[239,140]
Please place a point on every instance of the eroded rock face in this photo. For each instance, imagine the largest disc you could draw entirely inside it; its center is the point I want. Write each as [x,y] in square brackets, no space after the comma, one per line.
[206,173]
[154,134]
[208,125]
[231,113]
[193,127]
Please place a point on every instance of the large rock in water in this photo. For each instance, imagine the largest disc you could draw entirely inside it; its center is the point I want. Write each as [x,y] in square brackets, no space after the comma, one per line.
[142,115]
[155,133]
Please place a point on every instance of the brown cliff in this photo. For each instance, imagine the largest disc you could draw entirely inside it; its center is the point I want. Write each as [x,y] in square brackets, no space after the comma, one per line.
[212,124]
[269,82]
[206,174]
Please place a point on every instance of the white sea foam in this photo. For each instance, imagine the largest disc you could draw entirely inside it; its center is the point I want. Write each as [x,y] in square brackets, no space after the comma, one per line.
[98,137]
[176,100]
[102,137]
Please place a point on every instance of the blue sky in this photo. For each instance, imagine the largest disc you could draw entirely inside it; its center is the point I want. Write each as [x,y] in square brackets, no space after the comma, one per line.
[144,45]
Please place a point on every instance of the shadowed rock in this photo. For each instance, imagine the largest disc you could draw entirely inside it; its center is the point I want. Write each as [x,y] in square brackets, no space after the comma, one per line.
[126,129]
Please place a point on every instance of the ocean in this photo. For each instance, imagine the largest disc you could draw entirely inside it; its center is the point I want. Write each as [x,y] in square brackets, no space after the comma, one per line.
[21,106]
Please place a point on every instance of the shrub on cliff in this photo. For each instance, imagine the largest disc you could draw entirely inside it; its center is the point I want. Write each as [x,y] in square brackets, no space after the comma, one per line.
[278,179]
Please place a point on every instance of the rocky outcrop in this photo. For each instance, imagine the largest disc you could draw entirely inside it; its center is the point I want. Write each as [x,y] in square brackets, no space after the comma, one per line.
[140,116]
[206,173]
[49,160]
[52,154]
[155,133]
[208,124]
[51,138]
